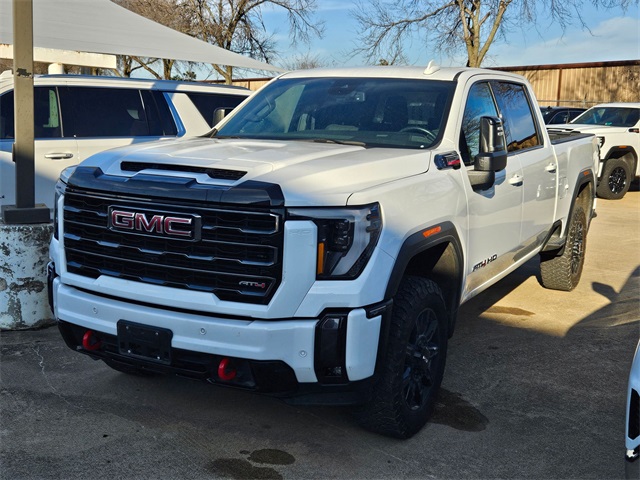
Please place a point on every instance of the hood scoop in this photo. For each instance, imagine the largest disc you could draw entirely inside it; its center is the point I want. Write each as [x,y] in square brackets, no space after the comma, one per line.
[217,173]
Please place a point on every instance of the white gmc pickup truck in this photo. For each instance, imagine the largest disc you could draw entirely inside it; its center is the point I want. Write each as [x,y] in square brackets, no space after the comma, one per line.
[317,244]
[617,128]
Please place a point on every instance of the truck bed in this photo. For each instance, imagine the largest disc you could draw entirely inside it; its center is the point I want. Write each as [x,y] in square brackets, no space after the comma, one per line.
[560,136]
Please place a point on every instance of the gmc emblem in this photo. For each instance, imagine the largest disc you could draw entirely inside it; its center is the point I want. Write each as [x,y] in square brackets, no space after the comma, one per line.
[156,224]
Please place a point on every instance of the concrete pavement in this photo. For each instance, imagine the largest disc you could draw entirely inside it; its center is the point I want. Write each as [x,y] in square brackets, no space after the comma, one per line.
[535,387]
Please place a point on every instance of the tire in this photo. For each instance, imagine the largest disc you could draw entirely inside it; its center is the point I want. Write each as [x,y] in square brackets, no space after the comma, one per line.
[563,271]
[616,179]
[129,369]
[405,393]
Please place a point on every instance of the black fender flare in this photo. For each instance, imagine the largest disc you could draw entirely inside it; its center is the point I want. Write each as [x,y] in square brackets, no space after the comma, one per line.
[440,234]
[556,243]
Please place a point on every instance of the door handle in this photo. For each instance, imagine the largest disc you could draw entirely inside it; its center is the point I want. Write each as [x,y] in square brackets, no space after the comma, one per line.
[516,180]
[58,156]
[551,168]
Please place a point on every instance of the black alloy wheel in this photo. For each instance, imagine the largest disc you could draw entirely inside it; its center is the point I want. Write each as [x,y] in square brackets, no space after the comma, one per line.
[618,180]
[421,361]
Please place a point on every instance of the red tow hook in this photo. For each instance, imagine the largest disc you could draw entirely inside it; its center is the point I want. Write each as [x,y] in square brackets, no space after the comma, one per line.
[226,371]
[90,342]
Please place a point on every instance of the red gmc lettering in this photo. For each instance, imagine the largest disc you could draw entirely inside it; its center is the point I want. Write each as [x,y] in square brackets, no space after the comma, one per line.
[156,224]
[169,228]
[153,225]
[120,219]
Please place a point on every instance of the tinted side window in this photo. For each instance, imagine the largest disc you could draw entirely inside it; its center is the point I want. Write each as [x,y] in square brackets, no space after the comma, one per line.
[573,114]
[208,103]
[560,117]
[479,104]
[46,114]
[519,125]
[6,116]
[161,121]
[108,112]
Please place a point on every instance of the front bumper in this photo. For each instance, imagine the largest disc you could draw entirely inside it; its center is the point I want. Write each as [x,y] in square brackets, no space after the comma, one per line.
[286,357]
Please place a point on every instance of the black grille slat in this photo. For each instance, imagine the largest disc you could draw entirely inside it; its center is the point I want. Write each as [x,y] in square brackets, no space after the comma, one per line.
[238,257]
[115,250]
[192,279]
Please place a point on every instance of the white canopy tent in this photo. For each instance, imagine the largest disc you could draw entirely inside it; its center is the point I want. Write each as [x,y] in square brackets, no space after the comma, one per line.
[96,27]
[100,26]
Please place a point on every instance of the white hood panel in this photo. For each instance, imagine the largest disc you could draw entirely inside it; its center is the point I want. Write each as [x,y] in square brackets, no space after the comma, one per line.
[309,174]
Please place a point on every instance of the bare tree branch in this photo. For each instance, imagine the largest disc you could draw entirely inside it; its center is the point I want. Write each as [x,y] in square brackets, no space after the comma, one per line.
[453,25]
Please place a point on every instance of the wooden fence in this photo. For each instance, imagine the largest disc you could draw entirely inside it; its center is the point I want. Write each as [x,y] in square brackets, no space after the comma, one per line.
[583,84]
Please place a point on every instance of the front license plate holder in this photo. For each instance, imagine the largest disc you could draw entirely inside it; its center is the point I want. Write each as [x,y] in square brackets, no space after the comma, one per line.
[144,342]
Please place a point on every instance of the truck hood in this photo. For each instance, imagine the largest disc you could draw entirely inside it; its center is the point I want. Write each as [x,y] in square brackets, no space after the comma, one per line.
[309,174]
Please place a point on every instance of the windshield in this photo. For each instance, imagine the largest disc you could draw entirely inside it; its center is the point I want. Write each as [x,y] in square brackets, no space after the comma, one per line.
[610,116]
[371,112]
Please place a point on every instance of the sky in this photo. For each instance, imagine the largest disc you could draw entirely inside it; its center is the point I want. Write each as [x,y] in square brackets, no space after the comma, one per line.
[611,35]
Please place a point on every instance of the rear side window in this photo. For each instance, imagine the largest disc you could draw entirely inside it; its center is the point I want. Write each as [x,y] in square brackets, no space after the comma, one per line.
[208,103]
[161,121]
[46,114]
[519,125]
[115,112]
[7,129]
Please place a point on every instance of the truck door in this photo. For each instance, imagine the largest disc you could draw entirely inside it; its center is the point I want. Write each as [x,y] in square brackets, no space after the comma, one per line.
[539,165]
[53,150]
[495,213]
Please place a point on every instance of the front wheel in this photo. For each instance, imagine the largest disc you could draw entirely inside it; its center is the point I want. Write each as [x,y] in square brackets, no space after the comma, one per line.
[616,179]
[413,366]
[563,271]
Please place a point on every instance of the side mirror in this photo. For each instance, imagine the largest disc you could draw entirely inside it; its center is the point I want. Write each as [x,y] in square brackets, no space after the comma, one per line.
[220,113]
[493,154]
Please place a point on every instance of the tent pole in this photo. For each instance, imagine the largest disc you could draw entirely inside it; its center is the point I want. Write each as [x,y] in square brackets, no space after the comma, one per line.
[25,210]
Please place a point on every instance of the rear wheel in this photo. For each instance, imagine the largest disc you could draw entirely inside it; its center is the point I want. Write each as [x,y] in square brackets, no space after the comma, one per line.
[563,271]
[616,179]
[405,394]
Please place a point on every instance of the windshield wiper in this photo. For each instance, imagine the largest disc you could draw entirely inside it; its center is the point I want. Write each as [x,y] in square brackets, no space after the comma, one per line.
[339,142]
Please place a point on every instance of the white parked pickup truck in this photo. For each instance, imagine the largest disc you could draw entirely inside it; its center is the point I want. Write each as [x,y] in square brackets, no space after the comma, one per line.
[617,127]
[316,246]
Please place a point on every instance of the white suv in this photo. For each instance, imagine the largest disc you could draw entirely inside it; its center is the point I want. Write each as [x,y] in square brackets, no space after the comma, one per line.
[77,116]
[617,126]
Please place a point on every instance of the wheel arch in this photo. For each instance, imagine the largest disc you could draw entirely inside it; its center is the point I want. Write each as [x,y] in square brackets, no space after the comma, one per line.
[584,194]
[619,152]
[437,256]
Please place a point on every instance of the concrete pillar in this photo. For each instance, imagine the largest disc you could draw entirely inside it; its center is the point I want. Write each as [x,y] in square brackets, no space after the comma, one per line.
[24,254]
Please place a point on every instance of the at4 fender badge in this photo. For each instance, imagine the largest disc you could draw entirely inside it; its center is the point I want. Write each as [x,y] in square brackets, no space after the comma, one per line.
[484,263]
[260,285]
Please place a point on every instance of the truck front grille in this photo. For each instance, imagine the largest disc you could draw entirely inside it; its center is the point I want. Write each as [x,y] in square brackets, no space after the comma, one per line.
[236,253]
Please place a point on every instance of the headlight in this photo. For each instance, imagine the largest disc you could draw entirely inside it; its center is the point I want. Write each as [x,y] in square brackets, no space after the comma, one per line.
[61,186]
[346,238]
